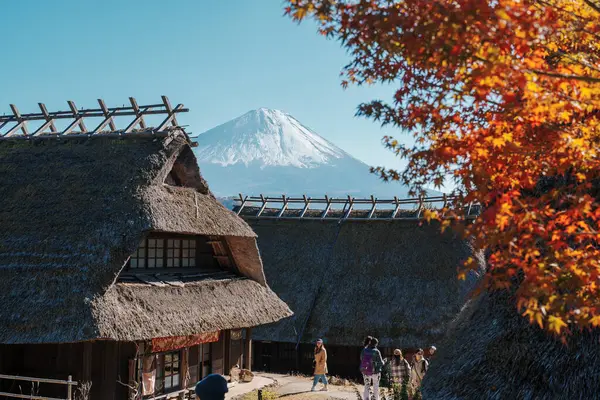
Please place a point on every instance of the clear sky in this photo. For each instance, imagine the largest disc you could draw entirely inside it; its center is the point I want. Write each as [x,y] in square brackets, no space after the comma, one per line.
[219,58]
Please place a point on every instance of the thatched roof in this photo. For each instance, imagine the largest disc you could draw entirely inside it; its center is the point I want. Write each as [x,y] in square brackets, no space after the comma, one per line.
[73,210]
[494,353]
[392,279]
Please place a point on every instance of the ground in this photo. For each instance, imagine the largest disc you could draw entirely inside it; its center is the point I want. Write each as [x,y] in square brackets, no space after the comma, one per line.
[289,387]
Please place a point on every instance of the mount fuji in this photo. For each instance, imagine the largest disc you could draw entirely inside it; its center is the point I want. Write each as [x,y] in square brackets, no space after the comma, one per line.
[269,152]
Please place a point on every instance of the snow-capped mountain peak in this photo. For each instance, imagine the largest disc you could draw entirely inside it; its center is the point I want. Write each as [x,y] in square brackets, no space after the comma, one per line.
[266,137]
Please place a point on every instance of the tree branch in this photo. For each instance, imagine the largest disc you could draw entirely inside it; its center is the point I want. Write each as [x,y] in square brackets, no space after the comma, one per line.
[563,76]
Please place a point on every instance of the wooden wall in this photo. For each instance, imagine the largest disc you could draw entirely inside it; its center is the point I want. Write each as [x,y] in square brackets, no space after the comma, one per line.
[102,362]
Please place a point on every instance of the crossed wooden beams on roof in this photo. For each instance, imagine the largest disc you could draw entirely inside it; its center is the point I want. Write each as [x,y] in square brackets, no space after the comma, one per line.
[397,209]
[78,125]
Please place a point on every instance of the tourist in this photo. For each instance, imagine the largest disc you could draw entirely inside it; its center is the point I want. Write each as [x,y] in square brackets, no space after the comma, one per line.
[320,366]
[400,368]
[432,351]
[371,364]
[367,341]
[419,369]
[212,387]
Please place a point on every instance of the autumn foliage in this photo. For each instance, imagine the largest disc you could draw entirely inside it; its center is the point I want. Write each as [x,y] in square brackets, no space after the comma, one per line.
[504,97]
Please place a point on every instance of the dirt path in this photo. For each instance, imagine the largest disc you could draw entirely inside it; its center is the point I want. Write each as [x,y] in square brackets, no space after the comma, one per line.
[290,387]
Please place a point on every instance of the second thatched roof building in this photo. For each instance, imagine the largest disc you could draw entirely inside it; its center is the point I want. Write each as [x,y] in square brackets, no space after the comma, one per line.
[348,277]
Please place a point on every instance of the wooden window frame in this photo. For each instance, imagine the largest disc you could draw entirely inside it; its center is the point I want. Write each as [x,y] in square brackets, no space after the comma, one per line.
[160,366]
[201,242]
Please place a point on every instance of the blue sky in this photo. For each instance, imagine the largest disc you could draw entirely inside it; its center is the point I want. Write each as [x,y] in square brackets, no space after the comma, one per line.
[220,58]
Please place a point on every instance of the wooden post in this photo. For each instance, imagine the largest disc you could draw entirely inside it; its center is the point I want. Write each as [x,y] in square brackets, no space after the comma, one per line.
[264,205]
[260,394]
[242,203]
[327,207]
[70,388]
[284,206]
[306,205]
[373,208]
[248,349]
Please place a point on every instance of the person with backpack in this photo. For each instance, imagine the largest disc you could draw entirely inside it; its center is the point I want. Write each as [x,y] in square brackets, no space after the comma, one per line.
[400,368]
[419,369]
[320,363]
[371,364]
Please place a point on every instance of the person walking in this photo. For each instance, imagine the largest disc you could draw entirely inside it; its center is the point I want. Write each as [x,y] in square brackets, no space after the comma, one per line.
[400,368]
[320,366]
[419,369]
[371,364]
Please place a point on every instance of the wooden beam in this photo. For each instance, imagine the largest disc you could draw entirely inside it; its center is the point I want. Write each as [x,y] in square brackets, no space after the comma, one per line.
[139,117]
[283,207]
[397,207]
[49,120]
[170,118]
[21,123]
[248,350]
[107,114]
[350,206]
[242,204]
[374,201]
[327,207]
[306,205]
[108,119]
[264,205]
[421,206]
[78,119]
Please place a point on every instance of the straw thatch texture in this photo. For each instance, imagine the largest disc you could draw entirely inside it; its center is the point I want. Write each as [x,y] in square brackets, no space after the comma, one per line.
[392,279]
[71,213]
[134,311]
[494,353]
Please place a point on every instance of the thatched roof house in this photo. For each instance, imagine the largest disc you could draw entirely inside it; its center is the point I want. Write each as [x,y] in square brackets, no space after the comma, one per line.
[72,213]
[494,353]
[96,237]
[344,279]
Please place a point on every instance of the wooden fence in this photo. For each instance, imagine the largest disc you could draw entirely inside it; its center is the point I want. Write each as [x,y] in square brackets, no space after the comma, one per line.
[70,383]
[305,207]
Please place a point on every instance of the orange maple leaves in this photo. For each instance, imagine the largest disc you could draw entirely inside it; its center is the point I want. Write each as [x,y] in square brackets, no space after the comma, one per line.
[504,97]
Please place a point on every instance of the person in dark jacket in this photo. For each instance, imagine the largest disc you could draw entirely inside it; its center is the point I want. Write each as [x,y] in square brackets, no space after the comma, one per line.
[371,365]
[212,387]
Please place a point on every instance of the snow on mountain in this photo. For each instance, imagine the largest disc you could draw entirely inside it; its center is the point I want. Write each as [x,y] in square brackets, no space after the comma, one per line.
[268,137]
[270,152]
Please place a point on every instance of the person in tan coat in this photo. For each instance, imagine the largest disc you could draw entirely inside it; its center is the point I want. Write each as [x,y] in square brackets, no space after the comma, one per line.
[320,366]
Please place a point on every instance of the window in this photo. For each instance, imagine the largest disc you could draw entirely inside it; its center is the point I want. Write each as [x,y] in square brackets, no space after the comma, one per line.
[166,367]
[172,251]
[199,362]
[171,370]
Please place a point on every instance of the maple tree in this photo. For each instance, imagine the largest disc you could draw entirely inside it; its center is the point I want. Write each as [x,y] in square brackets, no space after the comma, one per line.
[504,97]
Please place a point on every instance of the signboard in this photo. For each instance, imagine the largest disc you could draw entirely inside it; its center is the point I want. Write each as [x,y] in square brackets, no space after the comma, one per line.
[178,342]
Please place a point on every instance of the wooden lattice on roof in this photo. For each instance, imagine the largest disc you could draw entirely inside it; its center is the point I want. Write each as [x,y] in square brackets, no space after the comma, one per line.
[349,208]
[17,123]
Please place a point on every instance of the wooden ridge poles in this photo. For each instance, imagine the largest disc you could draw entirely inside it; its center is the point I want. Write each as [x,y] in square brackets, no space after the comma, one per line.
[77,126]
[352,208]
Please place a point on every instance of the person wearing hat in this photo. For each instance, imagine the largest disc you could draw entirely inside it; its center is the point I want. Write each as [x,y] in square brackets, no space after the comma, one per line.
[400,368]
[320,366]
[212,387]
[419,368]
[432,351]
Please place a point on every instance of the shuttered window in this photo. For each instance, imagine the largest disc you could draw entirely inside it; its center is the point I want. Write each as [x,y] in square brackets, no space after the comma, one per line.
[163,251]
